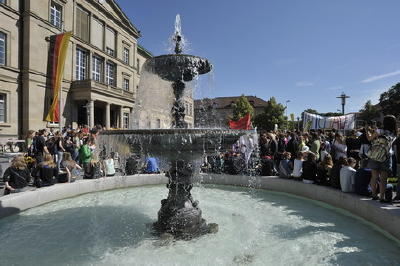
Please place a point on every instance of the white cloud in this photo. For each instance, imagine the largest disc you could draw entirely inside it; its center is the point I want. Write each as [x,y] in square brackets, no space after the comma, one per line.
[383,76]
[304,84]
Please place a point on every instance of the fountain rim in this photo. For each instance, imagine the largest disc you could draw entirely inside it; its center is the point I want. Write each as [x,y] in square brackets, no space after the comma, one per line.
[386,223]
[174,131]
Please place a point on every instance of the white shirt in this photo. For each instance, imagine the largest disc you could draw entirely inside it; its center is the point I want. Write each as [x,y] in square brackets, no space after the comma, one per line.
[297,168]
[347,178]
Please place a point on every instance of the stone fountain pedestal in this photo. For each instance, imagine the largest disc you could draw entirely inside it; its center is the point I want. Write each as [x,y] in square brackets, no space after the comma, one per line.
[180,214]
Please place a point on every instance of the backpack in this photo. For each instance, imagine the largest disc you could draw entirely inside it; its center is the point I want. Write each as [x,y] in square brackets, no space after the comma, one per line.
[380,148]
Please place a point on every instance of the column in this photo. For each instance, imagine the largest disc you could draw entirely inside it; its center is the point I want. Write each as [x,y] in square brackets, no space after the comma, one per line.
[91,114]
[121,117]
[108,115]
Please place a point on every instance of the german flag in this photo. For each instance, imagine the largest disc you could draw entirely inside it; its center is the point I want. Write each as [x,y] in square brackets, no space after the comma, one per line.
[59,53]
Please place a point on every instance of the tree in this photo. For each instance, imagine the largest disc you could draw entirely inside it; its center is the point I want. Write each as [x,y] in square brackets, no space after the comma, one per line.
[311,111]
[273,114]
[389,101]
[369,112]
[241,108]
[332,114]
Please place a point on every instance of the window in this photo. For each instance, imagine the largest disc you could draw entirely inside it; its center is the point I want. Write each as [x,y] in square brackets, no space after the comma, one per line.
[190,109]
[97,33]
[138,66]
[126,120]
[126,56]
[110,73]
[56,14]
[82,24]
[110,51]
[158,123]
[3,108]
[3,48]
[3,2]
[126,84]
[110,41]
[81,64]
[97,69]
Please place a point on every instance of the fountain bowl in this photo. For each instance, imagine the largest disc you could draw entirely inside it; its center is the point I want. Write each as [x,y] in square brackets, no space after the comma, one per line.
[173,67]
[177,143]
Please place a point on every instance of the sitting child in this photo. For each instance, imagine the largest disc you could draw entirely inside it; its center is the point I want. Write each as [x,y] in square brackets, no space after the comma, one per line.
[285,168]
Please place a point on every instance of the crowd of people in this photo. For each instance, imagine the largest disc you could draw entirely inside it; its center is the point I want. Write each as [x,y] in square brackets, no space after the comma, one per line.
[57,157]
[359,161]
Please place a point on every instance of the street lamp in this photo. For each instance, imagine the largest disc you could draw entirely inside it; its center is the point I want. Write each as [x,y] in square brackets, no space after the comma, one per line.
[287,118]
[343,97]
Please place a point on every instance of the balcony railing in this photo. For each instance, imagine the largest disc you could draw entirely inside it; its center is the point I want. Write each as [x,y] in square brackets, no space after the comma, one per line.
[94,86]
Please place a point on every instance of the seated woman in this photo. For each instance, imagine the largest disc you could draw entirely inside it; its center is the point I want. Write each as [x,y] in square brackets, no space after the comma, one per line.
[309,169]
[285,167]
[47,172]
[17,176]
[347,175]
[95,168]
[324,170]
[70,166]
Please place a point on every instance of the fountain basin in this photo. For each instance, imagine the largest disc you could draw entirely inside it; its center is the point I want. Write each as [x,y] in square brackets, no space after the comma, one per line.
[172,144]
[173,67]
[110,228]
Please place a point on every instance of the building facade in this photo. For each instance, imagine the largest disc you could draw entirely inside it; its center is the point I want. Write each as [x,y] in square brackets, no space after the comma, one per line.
[216,112]
[100,70]
[10,72]
[102,67]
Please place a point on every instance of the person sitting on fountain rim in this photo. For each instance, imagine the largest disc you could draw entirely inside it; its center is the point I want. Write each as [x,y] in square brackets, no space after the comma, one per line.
[85,155]
[17,176]
[46,172]
[285,166]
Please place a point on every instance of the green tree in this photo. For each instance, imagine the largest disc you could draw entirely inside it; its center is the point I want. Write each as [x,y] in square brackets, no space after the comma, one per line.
[242,107]
[332,114]
[390,101]
[369,112]
[273,114]
[311,111]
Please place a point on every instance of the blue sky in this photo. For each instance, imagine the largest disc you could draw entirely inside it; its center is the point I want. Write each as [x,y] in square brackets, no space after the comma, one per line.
[305,51]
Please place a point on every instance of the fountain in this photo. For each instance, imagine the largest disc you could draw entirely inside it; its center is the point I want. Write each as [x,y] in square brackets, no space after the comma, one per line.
[180,214]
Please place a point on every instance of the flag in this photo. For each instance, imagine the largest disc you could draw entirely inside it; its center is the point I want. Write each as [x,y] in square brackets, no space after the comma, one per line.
[242,123]
[58,53]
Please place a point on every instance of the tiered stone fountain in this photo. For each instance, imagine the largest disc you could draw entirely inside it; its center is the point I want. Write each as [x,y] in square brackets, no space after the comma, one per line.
[180,214]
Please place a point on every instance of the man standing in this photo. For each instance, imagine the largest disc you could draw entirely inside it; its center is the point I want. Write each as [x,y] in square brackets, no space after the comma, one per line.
[39,146]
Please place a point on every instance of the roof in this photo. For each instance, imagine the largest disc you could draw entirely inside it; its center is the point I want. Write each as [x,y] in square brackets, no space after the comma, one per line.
[144,51]
[226,102]
[129,23]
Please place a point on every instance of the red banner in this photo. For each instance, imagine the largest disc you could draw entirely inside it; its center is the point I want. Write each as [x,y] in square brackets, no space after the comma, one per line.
[59,53]
[242,123]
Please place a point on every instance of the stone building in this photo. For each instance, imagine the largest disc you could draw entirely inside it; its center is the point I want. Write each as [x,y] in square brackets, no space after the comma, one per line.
[102,68]
[10,72]
[216,112]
